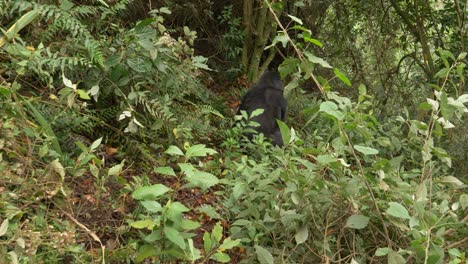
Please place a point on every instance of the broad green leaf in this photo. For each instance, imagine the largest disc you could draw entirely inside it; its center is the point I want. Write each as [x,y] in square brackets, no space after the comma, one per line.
[196,178]
[145,251]
[187,224]
[95,144]
[242,222]
[317,60]
[301,235]
[149,192]
[217,232]
[263,255]
[395,258]
[207,243]
[452,180]
[137,64]
[366,150]
[165,171]
[115,170]
[199,150]
[284,129]
[381,252]
[221,257]
[228,243]
[175,210]
[357,221]
[280,38]
[442,73]
[19,24]
[256,112]
[342,76]
[200,62]
[325,159]
[147,223]
[173,150]
[4,227]
[398,210]
[316,42]
[151,206]
[210,211]
[175,237]
[83,94]
[297,20]
[195,253]
[165,10]
[331,109]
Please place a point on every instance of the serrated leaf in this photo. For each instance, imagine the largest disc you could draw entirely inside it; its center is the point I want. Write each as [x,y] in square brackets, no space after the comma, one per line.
[366,150]
[398,210]
[357,221]
[263,255]
[301,235]
[228,243]
[173,150]
[342,76]
[149,192]
[165,171]
[174,236]
[217,232]
[4,227]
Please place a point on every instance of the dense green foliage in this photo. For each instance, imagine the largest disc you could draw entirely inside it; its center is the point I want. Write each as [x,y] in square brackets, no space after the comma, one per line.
[119,143]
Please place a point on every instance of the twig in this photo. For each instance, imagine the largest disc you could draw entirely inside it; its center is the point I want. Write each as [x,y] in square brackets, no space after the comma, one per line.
[91,233]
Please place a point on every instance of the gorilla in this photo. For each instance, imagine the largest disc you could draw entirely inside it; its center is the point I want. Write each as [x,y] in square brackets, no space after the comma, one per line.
[267,94]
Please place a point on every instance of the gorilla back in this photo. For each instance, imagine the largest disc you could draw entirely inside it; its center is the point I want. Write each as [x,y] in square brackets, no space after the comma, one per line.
[267,94]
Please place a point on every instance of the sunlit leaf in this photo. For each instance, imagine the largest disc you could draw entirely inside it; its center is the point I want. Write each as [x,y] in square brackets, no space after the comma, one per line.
[149,192]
